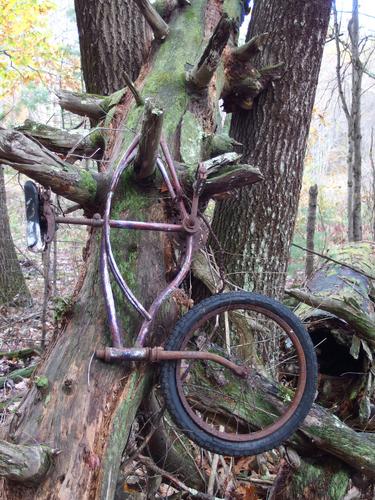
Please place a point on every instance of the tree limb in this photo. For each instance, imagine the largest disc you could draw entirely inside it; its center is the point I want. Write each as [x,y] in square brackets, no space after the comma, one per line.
[345,309]
[200,76]
[249,49]
[24,464]
[156,22]
[82,104]
[62,141]
[33,160]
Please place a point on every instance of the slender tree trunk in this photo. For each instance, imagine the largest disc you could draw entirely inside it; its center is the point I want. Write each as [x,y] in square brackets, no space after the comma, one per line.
[114,39]
[310,229]
[256,226]
[12,281]
[350,179]
[357,73]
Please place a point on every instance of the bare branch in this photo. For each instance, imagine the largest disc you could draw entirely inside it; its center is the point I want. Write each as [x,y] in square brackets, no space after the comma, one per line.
[46,168]
[338,62]
[144,163]
[82,104]
[133,90]
[202,73]
[63,141]
[158,25]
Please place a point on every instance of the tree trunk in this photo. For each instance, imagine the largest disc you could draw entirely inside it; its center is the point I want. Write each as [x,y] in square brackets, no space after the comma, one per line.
[310,230]
[260,221]
[114,40]
[357,73]
[12,282]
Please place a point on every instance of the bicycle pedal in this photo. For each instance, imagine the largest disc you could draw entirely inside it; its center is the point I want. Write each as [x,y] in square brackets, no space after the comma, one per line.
[34,230]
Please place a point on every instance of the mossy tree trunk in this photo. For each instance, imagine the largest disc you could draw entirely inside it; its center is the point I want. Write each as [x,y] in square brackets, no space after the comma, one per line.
[274,134]
[12,282]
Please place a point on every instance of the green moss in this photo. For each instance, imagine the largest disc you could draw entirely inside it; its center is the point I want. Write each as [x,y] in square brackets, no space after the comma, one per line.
[191,139]
[88,182]
[338,485]
[42,382]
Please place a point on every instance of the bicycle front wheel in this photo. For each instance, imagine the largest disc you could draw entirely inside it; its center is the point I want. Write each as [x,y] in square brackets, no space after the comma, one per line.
[221,411]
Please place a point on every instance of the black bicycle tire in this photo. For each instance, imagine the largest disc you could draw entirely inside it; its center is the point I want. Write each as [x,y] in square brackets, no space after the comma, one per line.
[169,383]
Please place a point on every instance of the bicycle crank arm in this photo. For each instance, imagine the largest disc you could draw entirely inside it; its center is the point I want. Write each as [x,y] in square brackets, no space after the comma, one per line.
[158,354]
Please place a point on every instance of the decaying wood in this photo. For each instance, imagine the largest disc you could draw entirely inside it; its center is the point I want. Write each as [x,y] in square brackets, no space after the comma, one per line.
[82,104]
[200,76]
[63,141]
[343,291]
[231,177]
[145,161]
[242,87]
[250,48]
[345,308]
[158,25]
[47,169]
[218,144]
[24,464]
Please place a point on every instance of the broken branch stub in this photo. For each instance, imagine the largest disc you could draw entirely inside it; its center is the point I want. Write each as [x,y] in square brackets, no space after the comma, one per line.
[144,163]
[82,104]
[200,76]
[24,464]
[156,22]
[250,48]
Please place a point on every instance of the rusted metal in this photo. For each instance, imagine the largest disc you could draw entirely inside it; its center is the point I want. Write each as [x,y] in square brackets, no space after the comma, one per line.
[122,224]
[175,180]
[146,325]
[233,436]
[158,354]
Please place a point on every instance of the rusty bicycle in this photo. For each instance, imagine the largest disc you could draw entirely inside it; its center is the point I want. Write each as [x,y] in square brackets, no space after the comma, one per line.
[238,371]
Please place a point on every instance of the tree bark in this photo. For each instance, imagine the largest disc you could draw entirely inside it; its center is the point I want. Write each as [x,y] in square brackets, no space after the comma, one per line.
[12,282]
[260,220]
[310,230]
[114,38]
[357,73]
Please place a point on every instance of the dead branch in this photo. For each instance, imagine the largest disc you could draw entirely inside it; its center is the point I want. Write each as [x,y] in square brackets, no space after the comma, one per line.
[46,168]
[24,464]
[82,104]
[63,141]
[156,22]
[200,76]
[144,163]
[345,308]
[148,462]
[249,49]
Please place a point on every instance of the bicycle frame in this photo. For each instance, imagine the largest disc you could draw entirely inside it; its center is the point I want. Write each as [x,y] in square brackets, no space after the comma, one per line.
[189,226]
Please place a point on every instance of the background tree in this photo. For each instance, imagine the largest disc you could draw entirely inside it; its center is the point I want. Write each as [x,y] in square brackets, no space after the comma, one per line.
[12,281]
[353,116]
[274,134]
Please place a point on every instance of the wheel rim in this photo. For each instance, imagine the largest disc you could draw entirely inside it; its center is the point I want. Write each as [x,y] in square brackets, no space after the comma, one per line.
[193,393]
